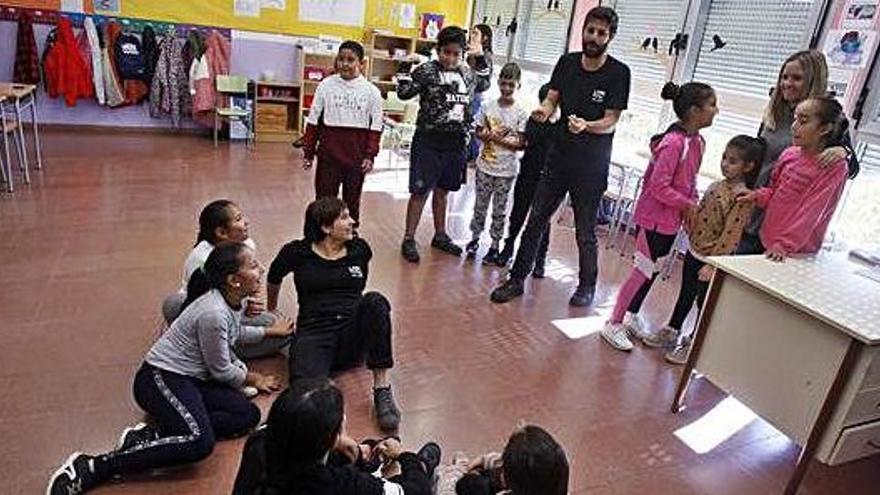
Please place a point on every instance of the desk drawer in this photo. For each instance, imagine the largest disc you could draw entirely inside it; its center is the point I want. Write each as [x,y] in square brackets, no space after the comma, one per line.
[865,407]
[872,375]
[856,442]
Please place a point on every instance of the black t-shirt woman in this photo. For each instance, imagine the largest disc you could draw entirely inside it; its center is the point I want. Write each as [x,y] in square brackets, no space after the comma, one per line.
[338,325]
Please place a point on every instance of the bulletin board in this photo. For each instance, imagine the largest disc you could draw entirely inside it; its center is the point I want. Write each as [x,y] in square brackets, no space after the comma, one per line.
[284,20]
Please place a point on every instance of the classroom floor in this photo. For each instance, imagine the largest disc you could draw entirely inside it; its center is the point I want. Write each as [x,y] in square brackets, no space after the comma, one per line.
[91,249]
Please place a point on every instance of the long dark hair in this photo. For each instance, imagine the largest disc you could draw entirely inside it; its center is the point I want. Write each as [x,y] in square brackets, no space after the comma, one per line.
[486,37]
[686,96]
[831,112]
[214,215]
[321,212]
[534,463]
[223,261]
[302,427]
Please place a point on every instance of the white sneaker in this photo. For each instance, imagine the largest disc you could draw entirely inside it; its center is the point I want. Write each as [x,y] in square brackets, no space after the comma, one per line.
[679,355]
[615,335]
[666,338]
[635,326]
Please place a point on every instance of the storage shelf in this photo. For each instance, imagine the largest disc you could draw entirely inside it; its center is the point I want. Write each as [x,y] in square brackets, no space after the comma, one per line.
[279,84]
[278,99]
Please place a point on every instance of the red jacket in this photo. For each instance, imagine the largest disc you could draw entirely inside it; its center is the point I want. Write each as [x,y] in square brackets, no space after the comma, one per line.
[66,72]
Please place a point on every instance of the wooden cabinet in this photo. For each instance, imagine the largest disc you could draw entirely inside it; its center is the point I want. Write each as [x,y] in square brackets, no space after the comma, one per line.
[313,68]
[276,111]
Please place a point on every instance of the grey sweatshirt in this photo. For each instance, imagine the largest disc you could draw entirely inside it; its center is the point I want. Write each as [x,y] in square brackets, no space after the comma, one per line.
[199,342]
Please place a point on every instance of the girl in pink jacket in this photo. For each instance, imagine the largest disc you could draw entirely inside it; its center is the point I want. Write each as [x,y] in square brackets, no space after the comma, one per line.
[668,199]
[802,194]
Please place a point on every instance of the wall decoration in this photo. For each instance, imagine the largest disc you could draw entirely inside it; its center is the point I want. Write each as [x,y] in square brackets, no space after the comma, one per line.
[247,8]
[859,14]
[342,12]
[849,48]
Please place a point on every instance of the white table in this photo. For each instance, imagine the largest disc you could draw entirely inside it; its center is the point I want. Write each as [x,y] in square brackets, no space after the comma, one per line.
[799,343]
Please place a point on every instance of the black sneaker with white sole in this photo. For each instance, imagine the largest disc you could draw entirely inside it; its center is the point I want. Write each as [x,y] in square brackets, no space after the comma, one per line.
[387,413]
[583,296]
[77,475]
[443,242]
[491,257]
[409,250]
[430,455]
[472,248]
[136,435]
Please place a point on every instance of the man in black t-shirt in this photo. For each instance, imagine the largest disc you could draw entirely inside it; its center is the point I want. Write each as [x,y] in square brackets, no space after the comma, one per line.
[591,89]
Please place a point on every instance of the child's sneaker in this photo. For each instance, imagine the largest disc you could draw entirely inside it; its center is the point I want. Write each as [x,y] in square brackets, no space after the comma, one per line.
[471,248]
[491,256]
[666,338]
[679,354]
[443,242]
[615,335]
[505,254]
[136,435]
[75,476]
[409,250]
[538,270]
[635,326]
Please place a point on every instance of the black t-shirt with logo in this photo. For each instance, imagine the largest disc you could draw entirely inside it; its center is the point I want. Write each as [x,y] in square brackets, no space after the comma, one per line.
[324,288]
[588,95]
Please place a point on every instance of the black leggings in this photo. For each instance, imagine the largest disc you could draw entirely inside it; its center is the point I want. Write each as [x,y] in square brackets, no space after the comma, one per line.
[523,195]
[334,343]
[190,415]
[692,289]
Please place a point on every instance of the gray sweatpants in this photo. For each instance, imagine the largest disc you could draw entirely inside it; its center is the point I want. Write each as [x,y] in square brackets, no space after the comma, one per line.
[495,190]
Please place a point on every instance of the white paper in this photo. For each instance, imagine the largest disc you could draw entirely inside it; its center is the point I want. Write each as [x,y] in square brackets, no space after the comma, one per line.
[407,15]
[107,6]
[342,12]
[247,8]
[859,14]
[274,4]
[72,6]
[849,48]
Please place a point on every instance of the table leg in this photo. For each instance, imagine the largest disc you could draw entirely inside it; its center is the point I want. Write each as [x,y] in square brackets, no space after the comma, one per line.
[37,146]
[706,314]
[8,170]
[23,163]
[808,452]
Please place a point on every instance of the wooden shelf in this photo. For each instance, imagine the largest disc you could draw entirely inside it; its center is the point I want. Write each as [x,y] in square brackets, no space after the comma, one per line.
[278,99]
[384,83]
[279,84]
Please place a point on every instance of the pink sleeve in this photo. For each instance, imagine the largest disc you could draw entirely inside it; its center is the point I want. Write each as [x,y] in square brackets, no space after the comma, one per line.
[815,212]
[765,194]
[666,160]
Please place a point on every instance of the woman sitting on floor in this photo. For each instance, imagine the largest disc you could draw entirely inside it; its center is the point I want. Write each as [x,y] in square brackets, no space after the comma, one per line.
[337,325]
[188,383]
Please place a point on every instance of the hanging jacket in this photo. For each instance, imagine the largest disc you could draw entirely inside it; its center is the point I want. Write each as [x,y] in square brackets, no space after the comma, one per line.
[167,93]
[150,50]
[85,51]
[200,82]
[27,61]
[96,58]
[217,53]
[66,72]
[129,57]
[112,84]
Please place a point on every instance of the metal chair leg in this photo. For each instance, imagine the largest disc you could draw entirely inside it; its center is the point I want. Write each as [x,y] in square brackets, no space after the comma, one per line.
[37,145]
[216,123]
[23,162]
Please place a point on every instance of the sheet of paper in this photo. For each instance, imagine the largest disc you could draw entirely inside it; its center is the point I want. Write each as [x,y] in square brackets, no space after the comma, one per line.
[407,18]
[274,4]
[108,6]
[342,12]
[247,8]
[72,6]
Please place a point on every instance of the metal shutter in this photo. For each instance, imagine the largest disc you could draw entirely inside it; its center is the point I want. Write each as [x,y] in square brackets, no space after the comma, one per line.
[760,35]
[542,33]
[870,161]
[497,14]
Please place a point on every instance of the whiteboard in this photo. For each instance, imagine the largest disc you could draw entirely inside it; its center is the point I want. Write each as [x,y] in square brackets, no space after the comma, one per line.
[344,12]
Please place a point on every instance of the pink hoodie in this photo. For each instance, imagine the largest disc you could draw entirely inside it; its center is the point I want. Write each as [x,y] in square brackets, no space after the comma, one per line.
[799,202]
[670,184]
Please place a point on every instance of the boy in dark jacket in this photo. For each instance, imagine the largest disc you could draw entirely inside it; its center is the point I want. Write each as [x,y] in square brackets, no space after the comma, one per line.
[437,155]
[539,139]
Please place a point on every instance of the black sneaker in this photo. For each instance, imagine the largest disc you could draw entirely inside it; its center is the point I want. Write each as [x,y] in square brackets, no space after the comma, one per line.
[444,243]
[504,256]
[387,413]
[409,250]
[491,257]
[75,476]
[136,435]
[510,289]
[538,270]
[583,296]
[471,248]
[430,455]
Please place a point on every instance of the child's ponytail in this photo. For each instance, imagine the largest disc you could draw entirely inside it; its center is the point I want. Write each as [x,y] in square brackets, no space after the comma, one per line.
[830,111]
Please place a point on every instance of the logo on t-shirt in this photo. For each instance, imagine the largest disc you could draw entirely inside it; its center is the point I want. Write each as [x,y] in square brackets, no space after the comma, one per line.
[598,96]
[355,272]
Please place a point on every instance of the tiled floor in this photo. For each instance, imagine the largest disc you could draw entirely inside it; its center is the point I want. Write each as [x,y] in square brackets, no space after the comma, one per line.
[89,251]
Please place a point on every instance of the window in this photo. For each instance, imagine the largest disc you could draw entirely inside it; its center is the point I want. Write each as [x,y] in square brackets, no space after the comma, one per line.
[858,216]
[541,30]
[757,37]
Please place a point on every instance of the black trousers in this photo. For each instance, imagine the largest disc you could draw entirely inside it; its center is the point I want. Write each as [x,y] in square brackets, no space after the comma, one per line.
[523,197]
[750,244]
[692,290]
[585,197]
[329,344]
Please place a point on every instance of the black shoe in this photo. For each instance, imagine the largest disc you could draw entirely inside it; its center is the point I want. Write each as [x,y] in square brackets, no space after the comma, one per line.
[510,289]
[299,143]
[583,296]
[409,250]
[75,476]
[538,270]
[136,435]
[430,455]
[444,243]
[505,255]
[491,257]
[387,413]
[471,248]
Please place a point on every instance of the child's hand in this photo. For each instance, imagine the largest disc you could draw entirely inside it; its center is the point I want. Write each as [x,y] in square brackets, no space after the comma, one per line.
[776,254]
[266,383]
[308,163]
[282,327]
[747,197]
[705,273]
[367,165]
[390,448]
[831,156]
[689,218]
[346,446]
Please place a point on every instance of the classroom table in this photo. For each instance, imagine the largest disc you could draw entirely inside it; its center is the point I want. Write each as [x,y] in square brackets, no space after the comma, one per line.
[20,97]
[797,342]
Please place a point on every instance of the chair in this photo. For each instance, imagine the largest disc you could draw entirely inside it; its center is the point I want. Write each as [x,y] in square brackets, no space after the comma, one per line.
[7,128]
[228,86]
